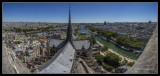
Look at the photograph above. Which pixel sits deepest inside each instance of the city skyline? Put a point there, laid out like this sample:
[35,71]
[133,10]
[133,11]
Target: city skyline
[81,12]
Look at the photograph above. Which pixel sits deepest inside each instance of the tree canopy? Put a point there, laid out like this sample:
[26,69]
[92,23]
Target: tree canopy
[93,39]
[107,67]
[102,32]
[104,48]
[99,58]
[17,42]
[119,39]
[131,63]
[128,42]
[27,30]
[112,60]
[109,61]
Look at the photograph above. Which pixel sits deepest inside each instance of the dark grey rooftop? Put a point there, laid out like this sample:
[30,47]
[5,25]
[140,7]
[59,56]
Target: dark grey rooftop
[125,67]
[78,44]
[74,37]
[55,42]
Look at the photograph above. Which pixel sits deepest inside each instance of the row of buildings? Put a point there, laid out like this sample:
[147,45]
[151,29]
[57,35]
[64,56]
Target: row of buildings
[136,31]
[33,49]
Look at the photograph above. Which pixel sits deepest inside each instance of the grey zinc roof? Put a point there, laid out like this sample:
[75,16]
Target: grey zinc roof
[27,46]
[96,45]
[36,44]
[125,67]
[17,48]
[73,36]
[61,62]
[78,44]
[55,42]
[31,51]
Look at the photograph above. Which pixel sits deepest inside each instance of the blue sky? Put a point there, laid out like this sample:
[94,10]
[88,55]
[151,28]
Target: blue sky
[80,12]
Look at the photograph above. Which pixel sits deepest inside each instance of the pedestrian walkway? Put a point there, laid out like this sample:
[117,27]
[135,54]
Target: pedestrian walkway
[111,50]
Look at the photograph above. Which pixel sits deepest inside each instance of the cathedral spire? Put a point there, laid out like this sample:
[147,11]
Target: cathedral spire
[69,29]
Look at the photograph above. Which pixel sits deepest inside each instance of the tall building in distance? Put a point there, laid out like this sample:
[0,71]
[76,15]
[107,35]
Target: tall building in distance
[149,21]
[104,22]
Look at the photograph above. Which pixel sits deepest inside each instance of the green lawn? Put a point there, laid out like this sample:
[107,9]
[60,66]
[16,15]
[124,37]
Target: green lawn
[118,50]
[82,37]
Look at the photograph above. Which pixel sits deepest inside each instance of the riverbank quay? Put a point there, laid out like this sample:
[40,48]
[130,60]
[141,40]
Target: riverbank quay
[122,52]
[113,51]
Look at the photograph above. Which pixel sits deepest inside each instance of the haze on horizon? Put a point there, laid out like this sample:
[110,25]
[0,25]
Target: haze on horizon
[80,12]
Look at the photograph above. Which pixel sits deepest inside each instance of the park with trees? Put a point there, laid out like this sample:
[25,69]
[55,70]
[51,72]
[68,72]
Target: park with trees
[112,61]
[109,61]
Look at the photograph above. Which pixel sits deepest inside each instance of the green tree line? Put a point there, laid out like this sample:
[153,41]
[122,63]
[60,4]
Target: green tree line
[128,42]
[27,30]
[102,32]
[119,39]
